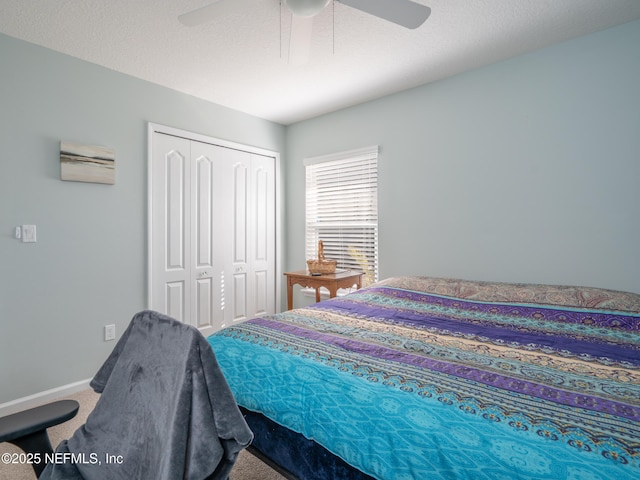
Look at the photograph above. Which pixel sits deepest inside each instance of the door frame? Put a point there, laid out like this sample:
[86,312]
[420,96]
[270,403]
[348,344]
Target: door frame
[154,128]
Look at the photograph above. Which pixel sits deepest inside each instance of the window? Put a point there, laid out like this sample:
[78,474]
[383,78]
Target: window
[342,209]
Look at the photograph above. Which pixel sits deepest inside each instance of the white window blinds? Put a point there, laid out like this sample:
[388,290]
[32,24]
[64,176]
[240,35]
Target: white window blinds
[342,209]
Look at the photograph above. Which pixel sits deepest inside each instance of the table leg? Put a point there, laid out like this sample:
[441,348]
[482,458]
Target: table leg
[289,295]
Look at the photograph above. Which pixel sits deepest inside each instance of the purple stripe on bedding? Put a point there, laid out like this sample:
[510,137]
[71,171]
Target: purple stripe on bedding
[545,392]
[618,320]
[502,333]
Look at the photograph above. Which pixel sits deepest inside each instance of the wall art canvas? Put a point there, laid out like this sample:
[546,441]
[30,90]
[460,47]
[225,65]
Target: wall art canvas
[87,163]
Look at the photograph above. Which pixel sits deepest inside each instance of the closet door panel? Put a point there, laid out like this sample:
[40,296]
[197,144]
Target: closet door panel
[203,212]
[260,293]
[238,164]
[223,238]
[240,181]
[206,298]
[239,297]
[170,226]
[175,300]
[262,243]
[175,211]
[204,303]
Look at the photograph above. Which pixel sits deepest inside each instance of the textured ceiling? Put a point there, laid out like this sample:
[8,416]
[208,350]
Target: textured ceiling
[240,60]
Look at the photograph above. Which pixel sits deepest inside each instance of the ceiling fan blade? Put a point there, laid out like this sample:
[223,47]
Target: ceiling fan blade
[402,12]
[300,39]
[214,10]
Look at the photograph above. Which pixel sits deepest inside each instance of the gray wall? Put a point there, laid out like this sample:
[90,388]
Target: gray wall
[526,170]
[88,267]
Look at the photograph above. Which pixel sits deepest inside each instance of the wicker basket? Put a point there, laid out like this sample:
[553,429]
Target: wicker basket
[321,265]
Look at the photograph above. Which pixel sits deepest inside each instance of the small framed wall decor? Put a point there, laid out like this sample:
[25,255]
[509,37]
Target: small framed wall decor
[87,163]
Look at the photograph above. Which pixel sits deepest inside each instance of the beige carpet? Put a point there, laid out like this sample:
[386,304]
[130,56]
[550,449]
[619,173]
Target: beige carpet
[247,467]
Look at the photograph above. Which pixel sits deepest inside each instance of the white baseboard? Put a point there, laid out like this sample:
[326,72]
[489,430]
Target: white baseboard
[42,397]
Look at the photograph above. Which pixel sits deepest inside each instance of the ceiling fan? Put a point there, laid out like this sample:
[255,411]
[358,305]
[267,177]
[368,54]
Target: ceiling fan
[405,13]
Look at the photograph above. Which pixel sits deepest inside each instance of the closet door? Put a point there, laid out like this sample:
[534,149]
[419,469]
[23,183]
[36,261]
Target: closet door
[206,303]
[212,246]
[235,169]
[262,241]
[248,242]
[171,226]
[183,284]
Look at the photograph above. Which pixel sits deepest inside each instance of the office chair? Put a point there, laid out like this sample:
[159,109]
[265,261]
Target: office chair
[165,411]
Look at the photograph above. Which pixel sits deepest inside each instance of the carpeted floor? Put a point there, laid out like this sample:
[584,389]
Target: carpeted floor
[247,467]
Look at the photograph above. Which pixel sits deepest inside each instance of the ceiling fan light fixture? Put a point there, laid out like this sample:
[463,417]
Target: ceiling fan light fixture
[306,8]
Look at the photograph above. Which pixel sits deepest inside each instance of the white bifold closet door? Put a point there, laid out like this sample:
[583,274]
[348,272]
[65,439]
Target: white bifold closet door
[213,232]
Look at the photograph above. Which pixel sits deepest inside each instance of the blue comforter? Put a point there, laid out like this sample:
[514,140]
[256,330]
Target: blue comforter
[404,383]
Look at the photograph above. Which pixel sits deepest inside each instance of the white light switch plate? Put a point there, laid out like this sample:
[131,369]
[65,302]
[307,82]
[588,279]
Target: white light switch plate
[28,233]
[109,332]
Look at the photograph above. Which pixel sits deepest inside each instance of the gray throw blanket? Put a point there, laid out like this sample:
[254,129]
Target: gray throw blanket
[166,411]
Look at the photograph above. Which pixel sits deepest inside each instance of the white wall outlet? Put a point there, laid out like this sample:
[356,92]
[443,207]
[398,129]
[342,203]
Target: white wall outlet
[28,233]
[109,332]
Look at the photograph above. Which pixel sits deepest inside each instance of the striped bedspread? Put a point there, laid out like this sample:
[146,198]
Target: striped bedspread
[417,378]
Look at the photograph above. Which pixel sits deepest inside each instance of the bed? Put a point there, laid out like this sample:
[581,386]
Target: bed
[418,377]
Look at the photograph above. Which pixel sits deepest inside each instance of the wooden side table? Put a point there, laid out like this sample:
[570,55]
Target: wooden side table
[331,281]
